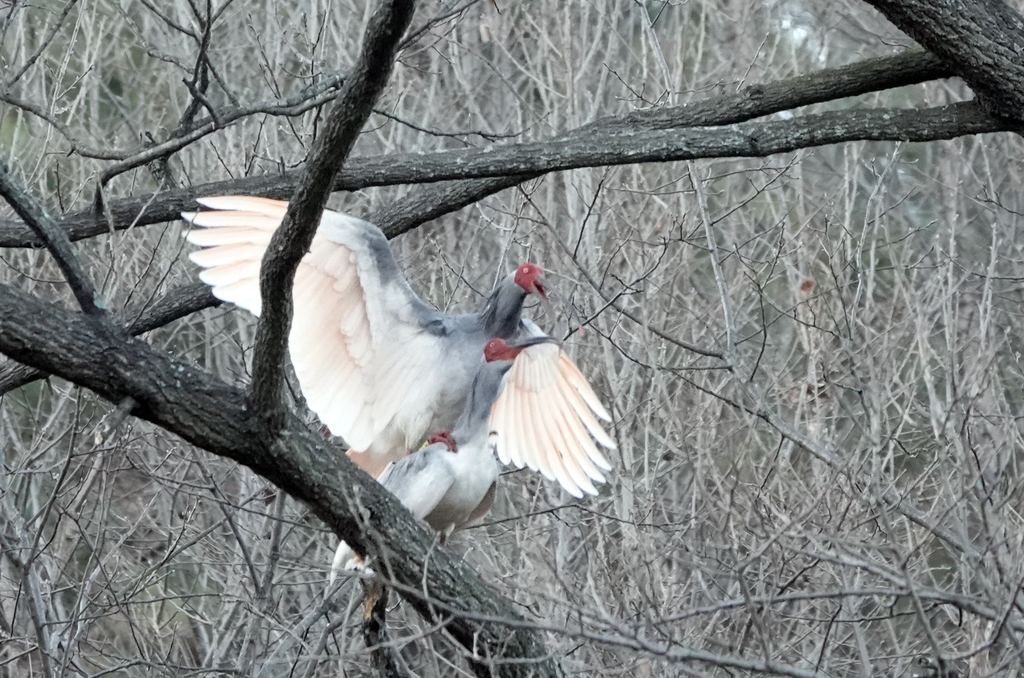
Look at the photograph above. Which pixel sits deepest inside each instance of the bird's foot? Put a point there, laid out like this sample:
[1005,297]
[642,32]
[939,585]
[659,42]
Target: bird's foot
[354,567]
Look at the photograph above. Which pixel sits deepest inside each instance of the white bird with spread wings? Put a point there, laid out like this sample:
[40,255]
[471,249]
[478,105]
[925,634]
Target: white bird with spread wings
[383,369]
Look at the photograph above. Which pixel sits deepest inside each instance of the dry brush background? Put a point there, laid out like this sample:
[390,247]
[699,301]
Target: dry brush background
[834,489]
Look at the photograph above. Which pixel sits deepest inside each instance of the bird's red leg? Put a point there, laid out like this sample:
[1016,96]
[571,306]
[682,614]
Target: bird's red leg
[446,438]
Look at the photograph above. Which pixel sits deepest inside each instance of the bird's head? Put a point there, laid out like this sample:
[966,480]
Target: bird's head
[504,311]
[531,278]
[498,349]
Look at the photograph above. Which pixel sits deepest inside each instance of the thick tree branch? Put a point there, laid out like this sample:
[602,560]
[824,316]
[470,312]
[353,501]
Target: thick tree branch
[754,101]
[56,241]
[216,416]
[177,303]
[750,102]
[751,139]
[513,163]
[291,241]
[982,41]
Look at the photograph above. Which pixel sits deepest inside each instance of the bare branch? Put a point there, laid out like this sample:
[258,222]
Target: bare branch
[17,547]
[177,303]
[291,241]
[728,319]
[751,102]
[978,40]
[513,163]
[375,629]
[56,242]
[744,140]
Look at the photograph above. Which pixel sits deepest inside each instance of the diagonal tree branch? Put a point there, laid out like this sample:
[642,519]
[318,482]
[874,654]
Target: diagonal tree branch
[291,241]
[751,102]
[216,416]
[979,40]
[177,303]
[56,241]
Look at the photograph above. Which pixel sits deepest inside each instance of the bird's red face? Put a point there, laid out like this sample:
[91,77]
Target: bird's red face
[444,437]
[498,349]
[531,278]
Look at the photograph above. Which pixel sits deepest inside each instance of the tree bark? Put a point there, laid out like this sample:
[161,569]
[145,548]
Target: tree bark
[982,41]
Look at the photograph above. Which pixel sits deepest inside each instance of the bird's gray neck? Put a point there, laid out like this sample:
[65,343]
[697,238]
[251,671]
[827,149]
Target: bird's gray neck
[504,310]
[474,423]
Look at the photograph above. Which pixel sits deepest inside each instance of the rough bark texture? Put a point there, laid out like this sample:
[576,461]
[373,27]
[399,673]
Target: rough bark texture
[177,303]
[375,630]
[982,41]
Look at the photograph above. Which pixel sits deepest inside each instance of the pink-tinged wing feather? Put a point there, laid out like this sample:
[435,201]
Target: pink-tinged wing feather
[247,203]
[512,432]
[572,375]
[555,456]
[235,242]
[546,418]
[362,363]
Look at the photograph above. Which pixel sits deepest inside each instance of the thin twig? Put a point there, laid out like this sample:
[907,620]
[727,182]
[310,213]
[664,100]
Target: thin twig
[716,264]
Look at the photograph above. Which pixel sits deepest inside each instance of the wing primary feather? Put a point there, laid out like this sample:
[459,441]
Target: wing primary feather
[228,235]
[556,456]
[567,368]
[252,220]
[577,441]
[585,418]
[575,459]
[512,426]
[547,460]
[531,449]
[512,429]
[245,203]
[586,415]
[577,429]
[228,254]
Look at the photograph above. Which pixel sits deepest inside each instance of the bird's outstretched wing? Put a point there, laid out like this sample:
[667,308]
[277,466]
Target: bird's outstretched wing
[546,418]
[357,343]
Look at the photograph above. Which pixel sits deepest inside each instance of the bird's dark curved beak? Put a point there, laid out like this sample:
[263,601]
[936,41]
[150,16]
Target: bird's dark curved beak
[540,285]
